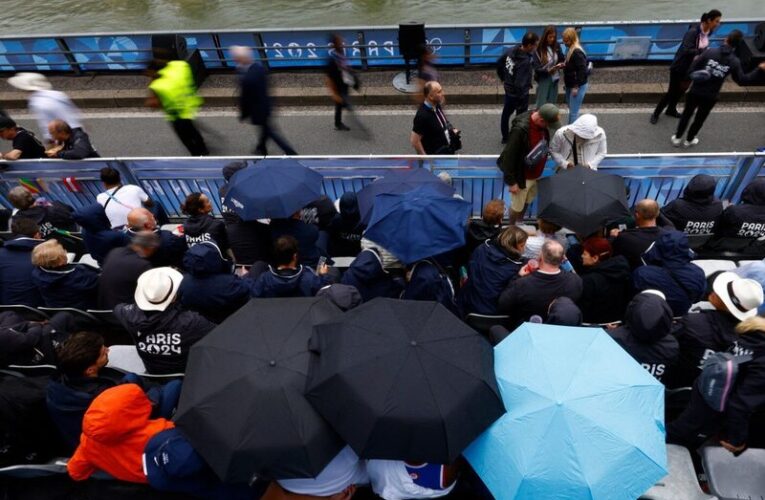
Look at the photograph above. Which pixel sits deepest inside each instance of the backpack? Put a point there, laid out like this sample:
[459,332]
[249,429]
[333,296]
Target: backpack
[718,376]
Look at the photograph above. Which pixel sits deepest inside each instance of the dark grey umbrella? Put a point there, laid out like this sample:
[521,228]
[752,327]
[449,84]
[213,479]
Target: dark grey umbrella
[403,380]
[582,199]
[242,405]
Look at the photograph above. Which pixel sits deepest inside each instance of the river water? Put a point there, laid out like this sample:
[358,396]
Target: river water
[69,16]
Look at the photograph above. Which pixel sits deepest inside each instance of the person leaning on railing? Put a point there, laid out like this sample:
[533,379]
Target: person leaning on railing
[25,145]
[72,143]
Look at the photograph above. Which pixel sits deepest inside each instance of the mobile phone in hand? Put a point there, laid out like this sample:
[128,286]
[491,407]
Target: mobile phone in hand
[322,261]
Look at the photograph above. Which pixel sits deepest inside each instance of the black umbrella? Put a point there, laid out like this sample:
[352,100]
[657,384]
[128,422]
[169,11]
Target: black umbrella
[242,404]
[403,380]
[582,199]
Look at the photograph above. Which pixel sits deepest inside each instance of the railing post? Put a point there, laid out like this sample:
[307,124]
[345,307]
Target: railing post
[363,50]
[221,51]
[69,56]
[468,38]
[261,51]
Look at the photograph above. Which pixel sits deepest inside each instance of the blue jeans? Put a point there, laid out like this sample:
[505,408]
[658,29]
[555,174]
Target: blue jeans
[574,103]
[513,104]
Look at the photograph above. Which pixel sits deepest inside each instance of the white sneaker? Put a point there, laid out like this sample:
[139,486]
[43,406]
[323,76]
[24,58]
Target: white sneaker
[675,141]
[687,144]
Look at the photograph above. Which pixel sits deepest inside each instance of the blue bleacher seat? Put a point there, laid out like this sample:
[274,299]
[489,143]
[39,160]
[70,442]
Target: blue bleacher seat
[733,478]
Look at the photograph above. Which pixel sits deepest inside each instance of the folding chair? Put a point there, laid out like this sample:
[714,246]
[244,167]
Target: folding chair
[26,312]
[731,477]
[483,322]
[125,358]
[711,266]
[71,310]
[681,482]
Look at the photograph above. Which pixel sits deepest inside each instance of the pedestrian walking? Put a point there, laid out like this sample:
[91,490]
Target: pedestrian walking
[548,61]
[575,73]
[340,79]
[531,131]
[432,133]
[255,102]
[695,41]
[45,103]
[515,70]
[709,71]
[174,90]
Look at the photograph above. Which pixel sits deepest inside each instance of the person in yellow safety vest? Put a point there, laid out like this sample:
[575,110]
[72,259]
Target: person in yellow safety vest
[173,89]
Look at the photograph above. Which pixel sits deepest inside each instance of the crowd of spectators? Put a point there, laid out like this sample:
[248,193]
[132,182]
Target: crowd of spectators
[168,289]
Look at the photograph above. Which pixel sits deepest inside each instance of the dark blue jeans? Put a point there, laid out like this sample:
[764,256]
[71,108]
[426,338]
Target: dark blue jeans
[513,104]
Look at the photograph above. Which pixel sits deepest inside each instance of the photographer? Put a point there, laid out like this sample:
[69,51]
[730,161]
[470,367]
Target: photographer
[432,134]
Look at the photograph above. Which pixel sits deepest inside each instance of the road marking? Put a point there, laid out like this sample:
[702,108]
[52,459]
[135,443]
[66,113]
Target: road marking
[383,111]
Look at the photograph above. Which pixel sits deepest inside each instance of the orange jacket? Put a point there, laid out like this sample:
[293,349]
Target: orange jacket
[115,431]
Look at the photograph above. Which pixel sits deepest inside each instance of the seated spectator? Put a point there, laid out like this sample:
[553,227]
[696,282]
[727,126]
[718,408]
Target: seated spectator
[97,233]
[427,280]
[742,225]
[115,432]
[375,272]
[532,293]
[698,210]
[122,268]
[210,286]
[747,219]
[345,229]
[345,297]
[80,379]
[668,268]
[645,334]
[62,284]
[320,212]
[119,199]
[337,481]
[25,146]
[581,143]
[79,361]
[171,464]
[486,228]
[546,231]
[306,234]
[163,330]
[73,144]
[171,247]
[493,265]
[25,342]
[606,283]
[699,421]
[289,279]
[201,225]
[397,480]
[701,334]
[48,215]
[564,312]
[632,243]
[16,267]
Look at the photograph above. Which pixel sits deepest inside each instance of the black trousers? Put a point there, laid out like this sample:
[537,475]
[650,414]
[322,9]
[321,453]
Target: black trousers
[190,137]
[339,107]
[269,132]
[696,424]
[700,105]
[677,87]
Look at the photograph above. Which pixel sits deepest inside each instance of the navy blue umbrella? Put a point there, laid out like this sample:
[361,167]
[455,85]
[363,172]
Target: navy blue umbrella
[398,182]
[272,189]
[418,224]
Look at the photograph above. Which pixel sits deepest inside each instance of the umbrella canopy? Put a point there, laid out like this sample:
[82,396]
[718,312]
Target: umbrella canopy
[584,419]
[582,199]
[272,189]
[403,380]
[242,404]
[418,224]
[398,182]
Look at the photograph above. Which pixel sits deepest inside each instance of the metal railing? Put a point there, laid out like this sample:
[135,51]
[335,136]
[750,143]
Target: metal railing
[475,178]
[368,47]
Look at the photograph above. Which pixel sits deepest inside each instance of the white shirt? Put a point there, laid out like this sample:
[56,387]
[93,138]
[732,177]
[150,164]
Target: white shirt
[127,198]
[49,105]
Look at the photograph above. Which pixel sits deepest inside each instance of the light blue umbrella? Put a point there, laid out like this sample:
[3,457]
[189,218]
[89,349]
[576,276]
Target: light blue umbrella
[584,420]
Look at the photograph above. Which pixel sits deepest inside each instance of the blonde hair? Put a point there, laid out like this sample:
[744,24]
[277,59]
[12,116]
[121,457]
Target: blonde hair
[49,254]
[571,33]
[749,325]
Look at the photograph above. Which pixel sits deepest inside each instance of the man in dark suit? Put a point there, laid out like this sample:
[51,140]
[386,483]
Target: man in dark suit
[254,101]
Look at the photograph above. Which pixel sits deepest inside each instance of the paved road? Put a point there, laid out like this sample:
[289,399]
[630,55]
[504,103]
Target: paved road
[144,133]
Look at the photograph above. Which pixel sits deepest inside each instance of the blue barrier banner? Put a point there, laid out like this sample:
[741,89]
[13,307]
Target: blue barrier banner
[98,53]
[207,50]
[476,179]
[304,49]
[39,54]
[244,39]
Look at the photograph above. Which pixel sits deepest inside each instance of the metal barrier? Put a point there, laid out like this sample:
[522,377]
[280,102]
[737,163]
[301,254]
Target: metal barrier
[375,46]
[475,178]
